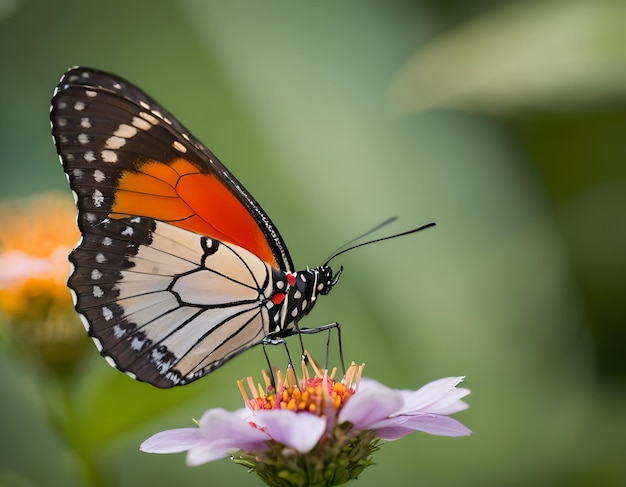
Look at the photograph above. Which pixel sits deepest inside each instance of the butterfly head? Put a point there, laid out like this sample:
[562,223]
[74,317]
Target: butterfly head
[326,278]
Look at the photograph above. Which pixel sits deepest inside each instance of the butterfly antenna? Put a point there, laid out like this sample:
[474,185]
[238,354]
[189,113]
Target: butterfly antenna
[369,232]
[343,250]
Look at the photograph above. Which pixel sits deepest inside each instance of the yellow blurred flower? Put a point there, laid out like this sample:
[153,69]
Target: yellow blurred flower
[36,237]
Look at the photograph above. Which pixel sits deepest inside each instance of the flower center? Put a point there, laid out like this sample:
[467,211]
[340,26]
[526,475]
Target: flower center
[310,394]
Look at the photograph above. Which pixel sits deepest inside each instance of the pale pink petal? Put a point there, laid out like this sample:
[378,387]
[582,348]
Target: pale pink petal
[172,441]
[453,407]
[367,383]
[369,405]
[220,433]
[300,431]
[231,430]
[434,424]
[396,413]
[209,452]
[440,396]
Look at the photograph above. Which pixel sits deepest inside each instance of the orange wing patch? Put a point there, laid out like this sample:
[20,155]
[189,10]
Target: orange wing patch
[179,194]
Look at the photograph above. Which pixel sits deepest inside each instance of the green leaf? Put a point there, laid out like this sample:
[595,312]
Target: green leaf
[523,55]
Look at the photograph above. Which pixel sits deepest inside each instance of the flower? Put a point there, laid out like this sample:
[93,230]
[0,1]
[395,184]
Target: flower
[315,431]
[35,240]
[392,414]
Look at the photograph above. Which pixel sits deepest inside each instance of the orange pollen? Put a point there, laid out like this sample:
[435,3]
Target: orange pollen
[309,394]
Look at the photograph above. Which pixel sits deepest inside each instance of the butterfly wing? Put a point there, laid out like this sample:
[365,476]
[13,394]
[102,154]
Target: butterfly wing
[125,155]
[166,305]
[159,303]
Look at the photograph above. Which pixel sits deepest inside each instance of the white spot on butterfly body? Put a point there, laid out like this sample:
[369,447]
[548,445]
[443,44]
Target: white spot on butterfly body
[97,198]
[144,105]
[85,123]
[109,156]
[117,86]
[101,258]
[78,173]
[137,344]
[179,147]
[61,122]
[89,156]
[297,295]
[91,93]
[79,106]
[107,313]
[128,231]
[97,292]
[83,138]
[114,142]
[107,241]
[99,176]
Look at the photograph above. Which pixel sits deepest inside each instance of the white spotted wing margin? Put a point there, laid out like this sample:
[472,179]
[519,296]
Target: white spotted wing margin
[106,128]
[166,305]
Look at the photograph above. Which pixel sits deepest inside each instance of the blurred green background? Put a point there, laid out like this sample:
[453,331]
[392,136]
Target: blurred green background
[504,122]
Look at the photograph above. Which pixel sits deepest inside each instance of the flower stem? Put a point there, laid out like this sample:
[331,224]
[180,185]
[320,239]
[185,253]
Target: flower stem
[64,418]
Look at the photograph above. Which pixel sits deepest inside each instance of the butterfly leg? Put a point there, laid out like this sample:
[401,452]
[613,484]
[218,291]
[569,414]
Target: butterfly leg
[269,340]
[329,328]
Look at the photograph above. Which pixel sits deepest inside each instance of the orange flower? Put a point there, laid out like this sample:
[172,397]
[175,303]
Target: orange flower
[35,240]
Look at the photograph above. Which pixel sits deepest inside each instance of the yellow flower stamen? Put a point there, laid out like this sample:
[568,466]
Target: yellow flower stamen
[308,395]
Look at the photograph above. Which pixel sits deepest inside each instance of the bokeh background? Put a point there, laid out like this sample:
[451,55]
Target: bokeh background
[504,122]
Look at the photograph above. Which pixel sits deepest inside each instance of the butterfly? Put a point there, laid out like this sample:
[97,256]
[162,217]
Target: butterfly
[179,269]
